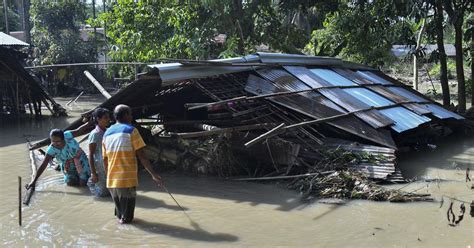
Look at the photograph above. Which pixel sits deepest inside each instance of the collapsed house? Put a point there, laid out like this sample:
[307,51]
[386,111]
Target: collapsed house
[289,111]
[20,90]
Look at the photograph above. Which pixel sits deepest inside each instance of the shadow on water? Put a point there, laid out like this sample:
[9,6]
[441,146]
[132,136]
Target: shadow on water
[452,153]
[240,192]
[142,201]
[197,234]
[333,206]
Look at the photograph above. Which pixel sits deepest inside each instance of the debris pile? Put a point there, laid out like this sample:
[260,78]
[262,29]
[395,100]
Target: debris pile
[316,120]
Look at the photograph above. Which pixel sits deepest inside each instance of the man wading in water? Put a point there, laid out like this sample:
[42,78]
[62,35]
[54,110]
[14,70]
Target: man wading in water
[122,144]
[68,153]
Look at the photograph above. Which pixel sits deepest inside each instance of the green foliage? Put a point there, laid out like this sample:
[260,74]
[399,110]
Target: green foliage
[363,32]
[56,34]
[435,71]
[144,31]
[14,23]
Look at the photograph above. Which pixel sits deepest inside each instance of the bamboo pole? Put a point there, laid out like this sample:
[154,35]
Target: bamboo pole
[19,201]
[17,96]
[97,84]
[270,133]
[219,131]
[283,177]
[274,132]
[31,190]
[75,99]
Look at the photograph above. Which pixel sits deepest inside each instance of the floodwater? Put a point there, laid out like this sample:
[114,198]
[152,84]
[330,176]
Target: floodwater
[228,213]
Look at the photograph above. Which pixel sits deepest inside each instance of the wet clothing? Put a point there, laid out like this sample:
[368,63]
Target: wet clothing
[72,156]
[120,143]
[99,189]
[124,199]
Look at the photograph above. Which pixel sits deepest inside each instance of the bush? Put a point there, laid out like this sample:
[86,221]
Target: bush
[436,70]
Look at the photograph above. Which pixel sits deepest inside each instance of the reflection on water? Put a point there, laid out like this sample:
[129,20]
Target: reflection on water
[230,213]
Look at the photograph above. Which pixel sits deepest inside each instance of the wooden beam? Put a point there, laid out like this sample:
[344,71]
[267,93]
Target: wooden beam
[220,131]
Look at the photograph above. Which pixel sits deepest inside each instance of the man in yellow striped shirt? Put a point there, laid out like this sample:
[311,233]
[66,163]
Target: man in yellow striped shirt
[121,146]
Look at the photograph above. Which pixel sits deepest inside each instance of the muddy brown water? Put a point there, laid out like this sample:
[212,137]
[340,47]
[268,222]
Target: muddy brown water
[230,213]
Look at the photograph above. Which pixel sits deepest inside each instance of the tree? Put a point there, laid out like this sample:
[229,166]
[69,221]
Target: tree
[56,38]
[438,19]
[456,10]
[364,31]
[13,19]
[143,31]
[57,33]
[469,37]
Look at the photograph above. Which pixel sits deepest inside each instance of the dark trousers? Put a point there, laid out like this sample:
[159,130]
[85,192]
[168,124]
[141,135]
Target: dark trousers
[124,199]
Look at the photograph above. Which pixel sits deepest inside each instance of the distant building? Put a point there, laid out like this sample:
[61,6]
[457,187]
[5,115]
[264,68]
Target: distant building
[405,50]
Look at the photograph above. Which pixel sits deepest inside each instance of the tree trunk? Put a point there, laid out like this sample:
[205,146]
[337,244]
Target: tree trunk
[26,20]
[442,53]
[472,68]
[415,55]
[460,66]
[239,11]
[5,9]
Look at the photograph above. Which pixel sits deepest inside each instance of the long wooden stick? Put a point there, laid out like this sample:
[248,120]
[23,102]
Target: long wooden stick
[270,133]
[220,130]
[19,201]
[283,177]
[97,84]
[31,190]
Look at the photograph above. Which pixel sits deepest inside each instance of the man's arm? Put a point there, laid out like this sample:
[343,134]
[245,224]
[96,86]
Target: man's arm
[146,163]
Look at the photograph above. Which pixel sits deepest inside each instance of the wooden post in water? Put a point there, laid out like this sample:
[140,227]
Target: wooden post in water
[19,201]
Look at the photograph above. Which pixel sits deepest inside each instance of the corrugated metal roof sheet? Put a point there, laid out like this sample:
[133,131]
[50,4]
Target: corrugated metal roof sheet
[173,72]
[383,90]
[332,77]
[351,103]
[323,100]
[369,97]
[283,79]
[7,40]
[373,77]
[296,59]
[353,76]
[404,118]
[417,108]
[406,94]
[374,118]
[305,75]
[442,113]
[343,99]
